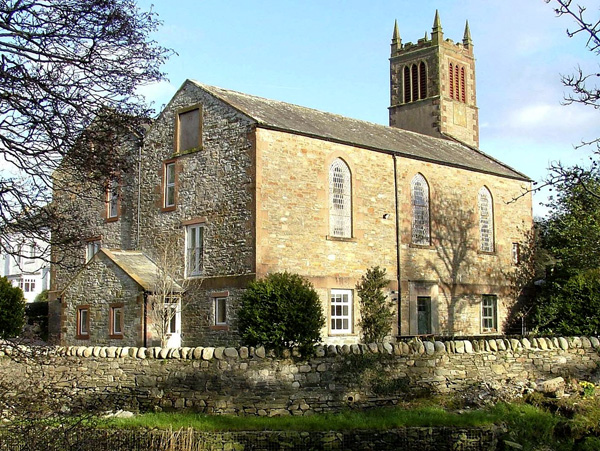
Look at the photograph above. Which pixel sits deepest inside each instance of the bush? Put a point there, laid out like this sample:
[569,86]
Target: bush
[571,306]
[42,296]
[375,309]
[281,311]
[12,309]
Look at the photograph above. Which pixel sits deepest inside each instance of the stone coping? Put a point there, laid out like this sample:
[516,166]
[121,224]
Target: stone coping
[412,347]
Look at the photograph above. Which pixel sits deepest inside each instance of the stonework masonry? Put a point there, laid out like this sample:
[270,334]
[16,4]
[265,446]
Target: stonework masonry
[248,381]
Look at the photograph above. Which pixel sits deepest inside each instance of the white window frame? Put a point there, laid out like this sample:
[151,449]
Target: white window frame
[218,302]
[173,303]
[112,200]
[117,324]
[337,313]
[516,253]
[91,249]
[83,321]
[27,285]
[194,250]
[340,199]
[169,184]
[489,313]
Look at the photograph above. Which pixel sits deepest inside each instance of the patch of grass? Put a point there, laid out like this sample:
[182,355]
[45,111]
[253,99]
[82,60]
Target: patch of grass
[372,419]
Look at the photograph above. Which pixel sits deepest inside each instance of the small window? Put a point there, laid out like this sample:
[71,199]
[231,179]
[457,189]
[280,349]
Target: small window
[194,250]
[189,128]
[169,185]
[423,315]
[422,81]
[489,313]
[83,322]
[172,314]
[516,254]
[220,311]
[451,80]
[116,321]
[340,200]
[91,248]
[341,312]
[27,285]
[112,200]
[414,75]
[486,220]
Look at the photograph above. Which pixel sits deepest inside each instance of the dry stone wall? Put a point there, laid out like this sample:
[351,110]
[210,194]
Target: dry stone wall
[249,381]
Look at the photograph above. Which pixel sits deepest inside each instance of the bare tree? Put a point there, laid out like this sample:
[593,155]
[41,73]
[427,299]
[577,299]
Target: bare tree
[584,90]
[167,301]
[69,77]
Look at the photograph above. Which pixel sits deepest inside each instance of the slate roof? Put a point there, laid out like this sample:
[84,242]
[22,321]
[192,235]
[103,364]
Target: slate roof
[307,121]
[139,267]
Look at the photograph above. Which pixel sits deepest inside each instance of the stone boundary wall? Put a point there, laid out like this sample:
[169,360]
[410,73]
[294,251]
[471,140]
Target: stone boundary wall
[249,381]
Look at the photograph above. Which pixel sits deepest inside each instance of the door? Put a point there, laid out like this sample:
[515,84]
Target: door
[423,315]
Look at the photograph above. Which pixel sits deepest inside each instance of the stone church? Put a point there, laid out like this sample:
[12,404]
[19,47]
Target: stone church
[233,187]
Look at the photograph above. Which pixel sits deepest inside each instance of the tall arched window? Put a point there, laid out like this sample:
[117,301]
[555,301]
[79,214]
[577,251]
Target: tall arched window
[415,81]
[406,84]
[451,80]
[340,199]
[419,194]
[462,85]
[422,80]
[486,220]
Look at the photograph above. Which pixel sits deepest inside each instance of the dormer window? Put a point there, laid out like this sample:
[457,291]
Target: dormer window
[188,130]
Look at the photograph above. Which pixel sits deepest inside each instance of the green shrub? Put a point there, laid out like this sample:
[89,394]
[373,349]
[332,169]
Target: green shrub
[571,306]
[12,309]
[375,309]
[42,296]
[281,311]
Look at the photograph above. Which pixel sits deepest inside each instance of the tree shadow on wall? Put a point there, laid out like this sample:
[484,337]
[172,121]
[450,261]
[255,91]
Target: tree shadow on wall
[458,265]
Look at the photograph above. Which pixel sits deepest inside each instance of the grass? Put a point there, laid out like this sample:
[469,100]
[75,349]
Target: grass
[381,419]
[564,425]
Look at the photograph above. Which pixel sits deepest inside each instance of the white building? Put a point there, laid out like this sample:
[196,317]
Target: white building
[26,266]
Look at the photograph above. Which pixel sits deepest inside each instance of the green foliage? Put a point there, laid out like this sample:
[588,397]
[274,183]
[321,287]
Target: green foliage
[42,296]
[375,309]
[12,309]
[570,307]
[281,311]
[571,233]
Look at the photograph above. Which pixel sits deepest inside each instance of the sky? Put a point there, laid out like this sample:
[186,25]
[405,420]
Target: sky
[333,55]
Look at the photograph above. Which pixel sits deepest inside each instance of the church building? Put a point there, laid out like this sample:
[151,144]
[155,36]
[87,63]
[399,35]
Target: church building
[231,187]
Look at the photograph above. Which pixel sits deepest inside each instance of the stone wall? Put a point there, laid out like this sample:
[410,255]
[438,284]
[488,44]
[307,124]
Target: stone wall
[248,381]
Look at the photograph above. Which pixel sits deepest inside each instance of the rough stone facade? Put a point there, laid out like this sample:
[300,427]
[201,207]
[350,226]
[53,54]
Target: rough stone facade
[247,381]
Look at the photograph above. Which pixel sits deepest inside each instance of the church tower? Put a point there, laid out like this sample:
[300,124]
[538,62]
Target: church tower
[433,86]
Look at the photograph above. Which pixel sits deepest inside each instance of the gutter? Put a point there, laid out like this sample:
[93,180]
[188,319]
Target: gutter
[398,272]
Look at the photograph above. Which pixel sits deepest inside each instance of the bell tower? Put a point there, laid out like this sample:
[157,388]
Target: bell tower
[433,86]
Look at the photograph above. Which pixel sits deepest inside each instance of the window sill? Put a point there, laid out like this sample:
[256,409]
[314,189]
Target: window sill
[421,246]
[113,219]
[82,337]
[342,334]
[220,327]
[167,209]
[116,336]
[486,252]
[340,238]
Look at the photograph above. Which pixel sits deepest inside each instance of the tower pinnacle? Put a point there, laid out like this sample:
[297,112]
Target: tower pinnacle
[396,41]
[467,41]
[437,35]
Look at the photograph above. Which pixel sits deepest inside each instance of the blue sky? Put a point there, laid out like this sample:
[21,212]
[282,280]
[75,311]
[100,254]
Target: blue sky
[332,55]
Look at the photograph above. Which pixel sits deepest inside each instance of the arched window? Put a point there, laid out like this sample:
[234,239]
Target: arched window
[456,83]
[451,80]
[486,220]
[419,194]
[406,84]
[422,80]
[414,70]
[340,200]
[462,85]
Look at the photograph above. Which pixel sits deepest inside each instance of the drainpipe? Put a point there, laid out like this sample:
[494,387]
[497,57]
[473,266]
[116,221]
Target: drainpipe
[145,319]
[397,205]
[139,198]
